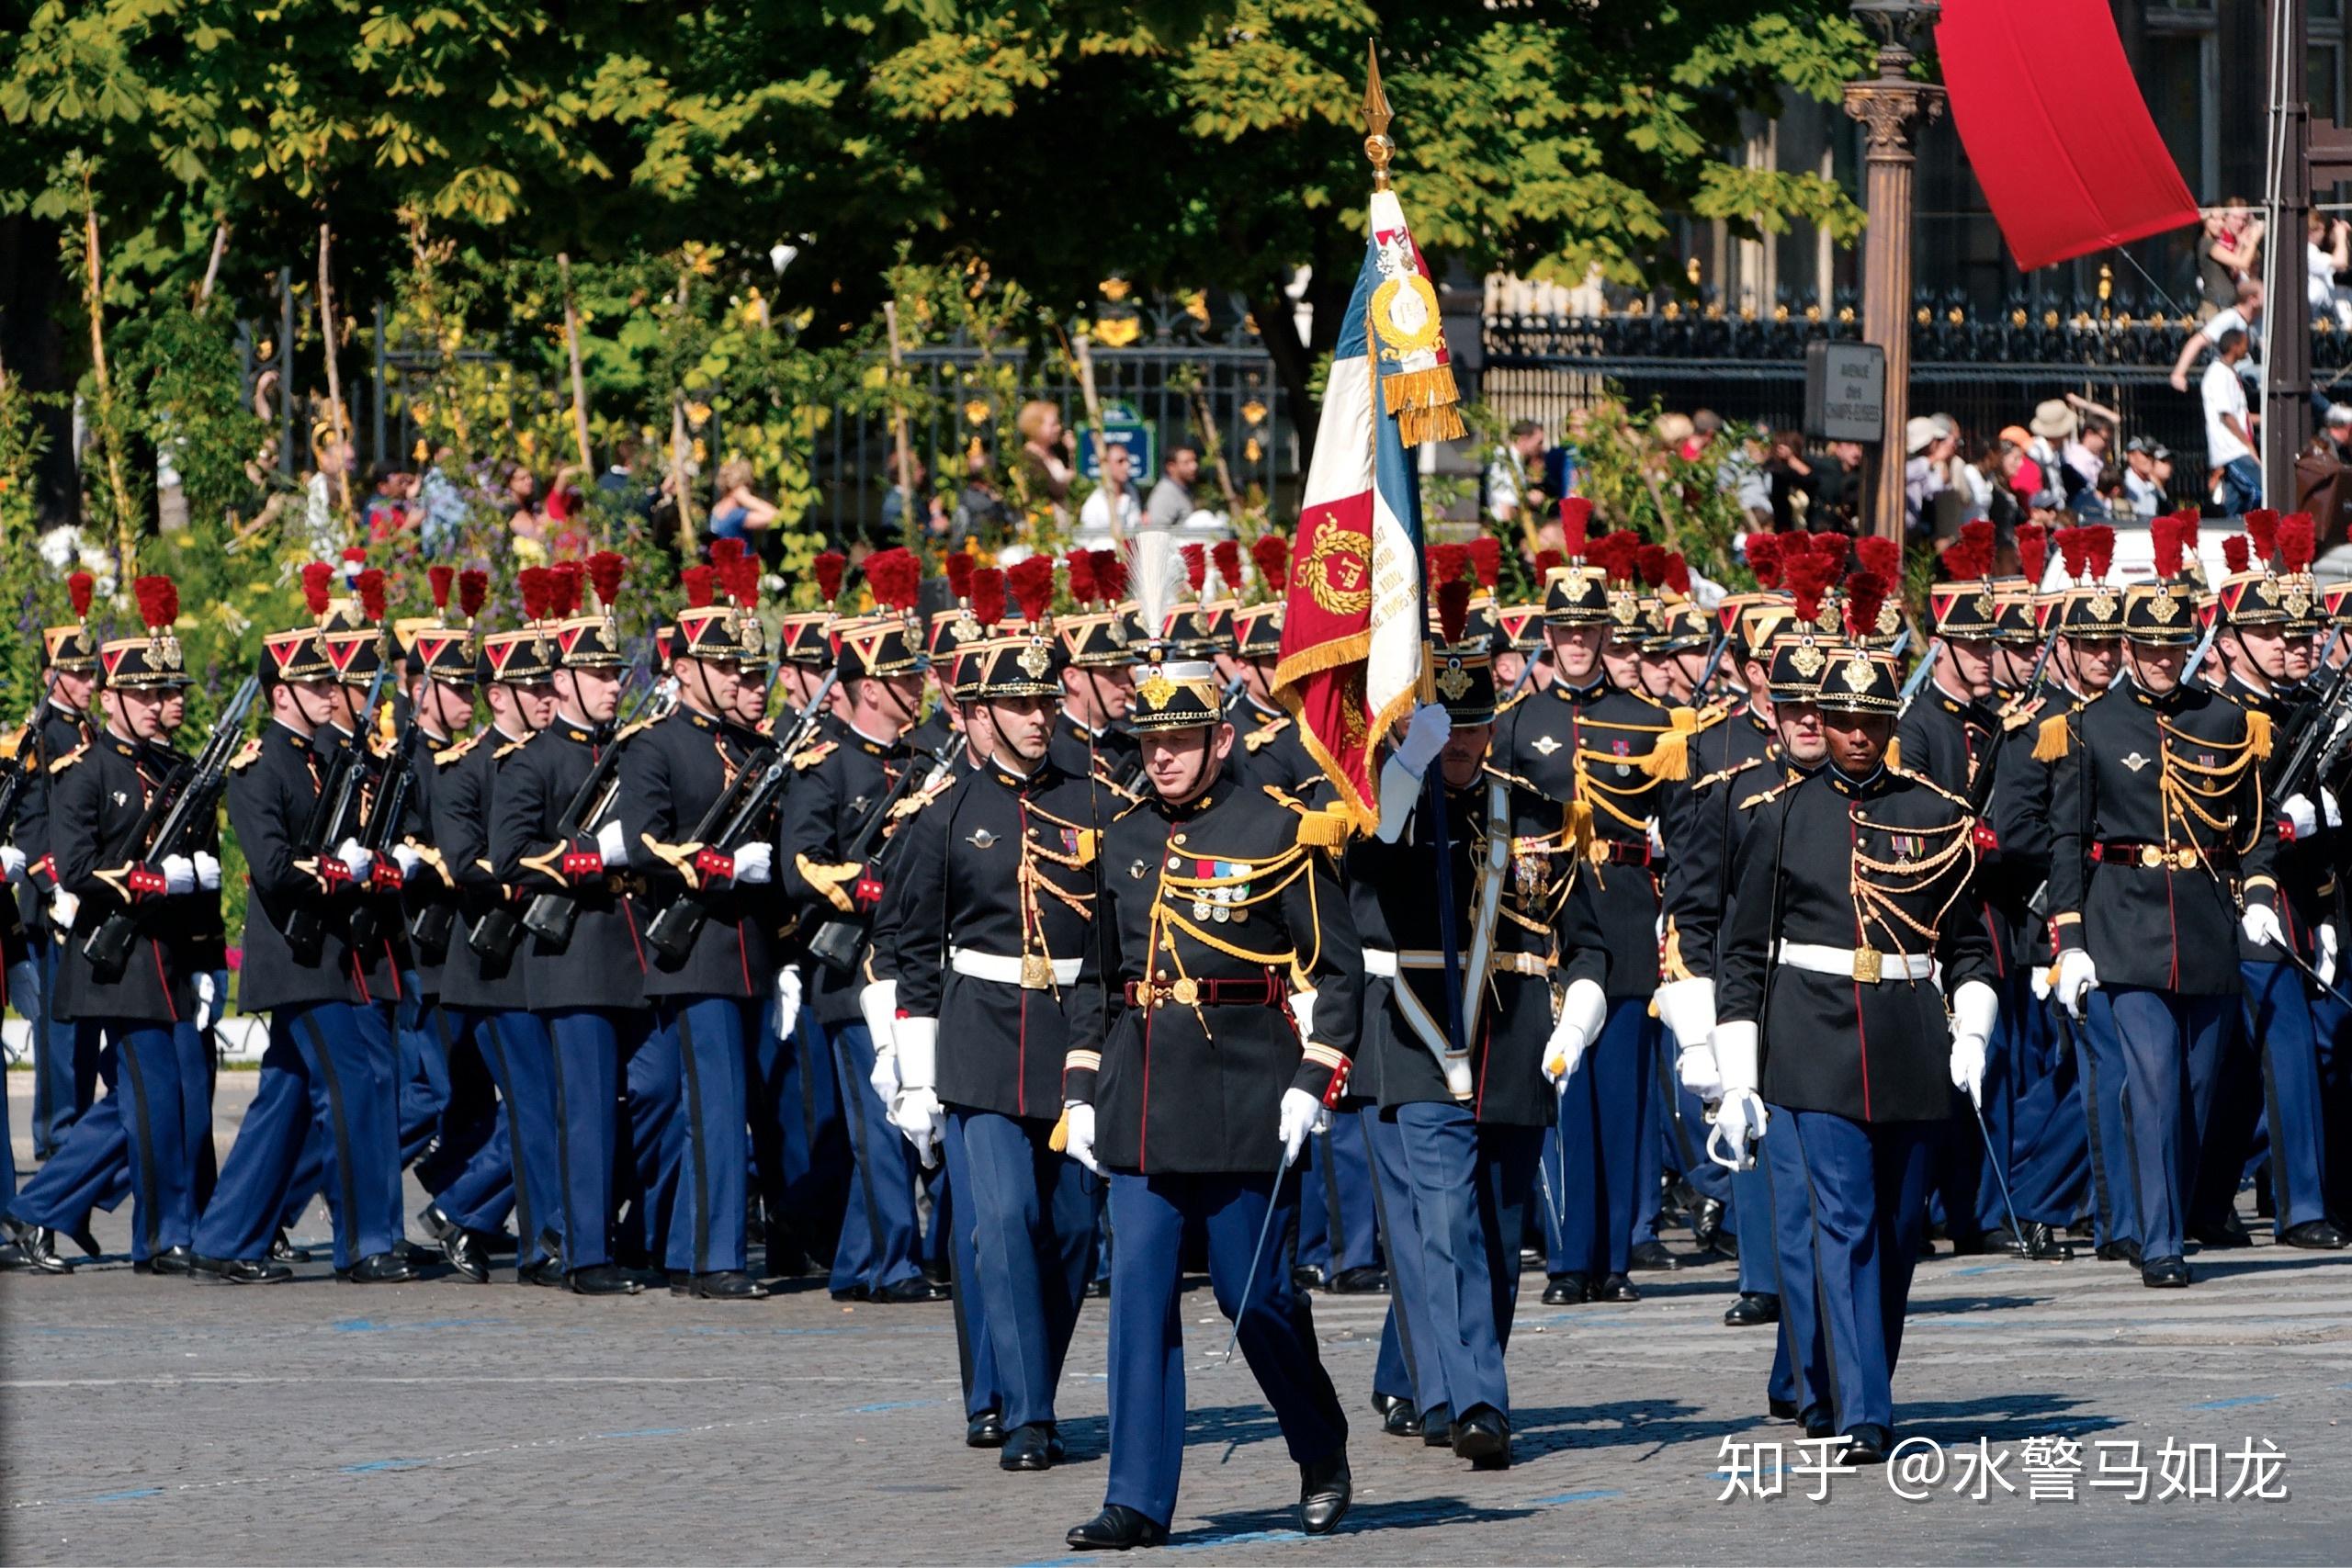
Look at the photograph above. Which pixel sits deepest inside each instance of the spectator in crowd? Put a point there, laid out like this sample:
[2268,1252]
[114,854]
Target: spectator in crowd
[2027,478]
[1794,487]
[2327,251]
[981,509]
[2245,316]
[1930,444]
[524,521]
[1838,497]
[891,528]
[2337,428]
[2107,501]
[1171,498]
[444,506]
[623,484]
[1510,481]
[739,512]
[2147,468]
[389,511]
[322,498]
[2229,429]
[1991,484]
[1042,470]
[1744,474]
[567,516]
[1117,488]
[1705,426]
[2231,254]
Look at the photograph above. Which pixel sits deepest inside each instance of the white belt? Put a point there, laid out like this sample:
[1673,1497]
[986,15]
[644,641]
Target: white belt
[1008,969]
[1380,962]
[1864,964]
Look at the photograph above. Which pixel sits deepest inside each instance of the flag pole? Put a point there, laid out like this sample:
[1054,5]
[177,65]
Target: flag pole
[1379,149]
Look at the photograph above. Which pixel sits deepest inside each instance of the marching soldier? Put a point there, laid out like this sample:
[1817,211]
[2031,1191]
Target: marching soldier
[146,1006]
[330,1061]
[996,891]
[1850,891]
[833,827]
[1468,1098]
[1098,683]
[706,1001]
[1201,1096]
[64,1058]
[2161,857]
[587,986]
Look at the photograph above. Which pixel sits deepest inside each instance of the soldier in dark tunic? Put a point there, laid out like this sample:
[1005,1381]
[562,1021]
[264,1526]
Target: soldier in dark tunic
[65,1056]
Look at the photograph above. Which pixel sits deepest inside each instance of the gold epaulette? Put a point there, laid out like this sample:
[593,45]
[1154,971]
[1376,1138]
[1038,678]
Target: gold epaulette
[1923,779]
[809,757]
[1669,757]
[247,755]
[510,748]
[1266,732]
[1761,797]
[67,761]
[1323,829]
[448,754]
[2257,731]
[642,724]
[1730,773]
[1509,778]
[2020,716]
[2050,742]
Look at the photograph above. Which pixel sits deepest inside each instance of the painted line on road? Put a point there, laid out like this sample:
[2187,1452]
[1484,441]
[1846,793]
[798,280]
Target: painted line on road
[2234,1403]
[1593,1497]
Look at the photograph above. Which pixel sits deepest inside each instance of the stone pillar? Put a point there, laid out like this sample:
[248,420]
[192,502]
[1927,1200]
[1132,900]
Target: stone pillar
[1890,107]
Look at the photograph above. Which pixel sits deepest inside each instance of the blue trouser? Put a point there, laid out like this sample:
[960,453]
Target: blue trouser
[705,1149]
[1031,1220]
[2168,1044]
[156,1109]
[1750,1220]
[1781,1236]
[521,1060]
[592,1047]
[1407,1367]
[424,1070]
[975,1352]
[2114,1209]
[1682,1132]
[62,1085]
[332,1064]
[813,1151]
[2051,1181]
[1507,1161]
[1336,1228]
[880,1245]
[1150,1215]
[469,1114]
[1439,1145]
[2278,1022]
[1600,1140]
[1866,1186]
[2331,1025]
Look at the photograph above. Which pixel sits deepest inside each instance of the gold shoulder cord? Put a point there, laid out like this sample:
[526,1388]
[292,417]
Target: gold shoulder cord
[1292,864]
[1875,902]
[2188,786]
[1032,882]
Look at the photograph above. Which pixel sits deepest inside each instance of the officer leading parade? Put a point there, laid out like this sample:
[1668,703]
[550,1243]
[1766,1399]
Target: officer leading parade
[1301,960]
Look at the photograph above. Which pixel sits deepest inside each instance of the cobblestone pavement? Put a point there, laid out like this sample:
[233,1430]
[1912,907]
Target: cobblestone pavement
[151,1421]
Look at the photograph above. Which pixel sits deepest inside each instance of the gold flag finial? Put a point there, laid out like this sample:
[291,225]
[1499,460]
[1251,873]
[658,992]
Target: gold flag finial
[1377,146]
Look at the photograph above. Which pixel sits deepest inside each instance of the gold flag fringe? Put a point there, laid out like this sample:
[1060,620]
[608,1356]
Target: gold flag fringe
[1423,402]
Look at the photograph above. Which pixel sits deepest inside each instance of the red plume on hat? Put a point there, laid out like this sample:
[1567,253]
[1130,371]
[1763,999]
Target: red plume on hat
[570,587]
[1196,567]
[353,558]
[1454,608]
[1879,555]
[1808,577]
[1764,558]
[2164,539]
[369,586]
[959,566]
[1977,539]
[316,577]
[2033,551]
[1831,546]
[1865,592]
[697,582]
[1650,561]
[2186,517]
[2296,542]
[1082,586]
[988,595]
[828,566]
[79,587]
[537,586]
[159,602]
[895,577]
[1678,575]
[2262,529]
[1446,561]
[2074,551]
[1227,553]
[605,570]
[1110,575]
[438,581]
[1547,562]
[1032,582]
[1487,561]
[1615,552]
[2236,555]
[1271,553]
[473,592]
[2099,548]
[1576,523]
[741,580]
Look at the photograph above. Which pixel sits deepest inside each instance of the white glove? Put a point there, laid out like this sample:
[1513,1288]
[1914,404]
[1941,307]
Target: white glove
[917,1114]
[2325,967]
[1687,1008]
[1975,1007]
[755,863]
[407,859]
[206,1001]
[63,908]
[2260,924]
[918,1043]
[208,871]
[1658,839]
[356,861]
[1740,1119]
[878,1004]
[612,845]
[2329,810]
[788,999]
[2297,810]
[1302,1012]
[2077,976]
[11,863]
[1078,1135]
[1301,1115]
[1967,1066]
[1695,1064]
[1581,1012]
[179,874]
[2040,980]
[1425,737]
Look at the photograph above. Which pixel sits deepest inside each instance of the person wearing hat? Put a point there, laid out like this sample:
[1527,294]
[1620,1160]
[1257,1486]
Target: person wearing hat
[1214,896]
[1462,1110]
[1581,752]
[1851,925]
[996,893]
[2161,858]
[1097,676]
[482,992]
[330,1061]
[2266,595]
[1948,732]
[586,989]
[153,1064]
[831,831]
[1929,443]
[706,1003]
[64,1059]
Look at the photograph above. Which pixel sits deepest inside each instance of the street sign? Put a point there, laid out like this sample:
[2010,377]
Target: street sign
[1845,391]
[1121,427]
